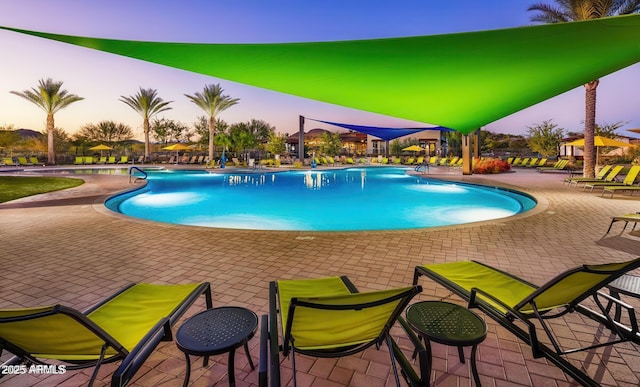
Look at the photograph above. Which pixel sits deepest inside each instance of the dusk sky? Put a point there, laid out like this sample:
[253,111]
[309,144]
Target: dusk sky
[101,78]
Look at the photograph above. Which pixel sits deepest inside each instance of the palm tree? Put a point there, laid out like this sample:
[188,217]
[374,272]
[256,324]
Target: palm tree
[212,101]
[148,104]
[575,10]
[50,98]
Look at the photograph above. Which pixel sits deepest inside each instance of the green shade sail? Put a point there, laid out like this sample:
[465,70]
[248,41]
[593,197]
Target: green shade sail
[461,81]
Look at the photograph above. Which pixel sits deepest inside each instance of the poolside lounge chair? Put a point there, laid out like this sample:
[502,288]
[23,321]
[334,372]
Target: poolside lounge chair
[23,162]
[626,218]
[607,173]
[599,176]
[8,161]
[79,160]
[541,163]
[524,308]
[559,166]
[629,181]
[327,317]
[102,160]
[126,326]
[34,160]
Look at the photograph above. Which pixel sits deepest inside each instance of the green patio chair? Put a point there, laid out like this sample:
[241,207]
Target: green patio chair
[34,160]
[79,160]
[23,162]
[328,317]
[125,327]
[125,159]
[626,218]
[609,175]
[628,181]
[560,165]
[516,303]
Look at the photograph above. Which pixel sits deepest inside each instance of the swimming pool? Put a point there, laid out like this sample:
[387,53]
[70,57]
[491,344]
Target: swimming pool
[375,198]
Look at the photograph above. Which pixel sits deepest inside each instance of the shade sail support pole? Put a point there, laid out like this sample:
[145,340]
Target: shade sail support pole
[301,140]
[466,154]
[476,143]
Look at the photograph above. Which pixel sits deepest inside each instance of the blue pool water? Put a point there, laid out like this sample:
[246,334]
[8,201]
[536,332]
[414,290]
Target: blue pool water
[323,200]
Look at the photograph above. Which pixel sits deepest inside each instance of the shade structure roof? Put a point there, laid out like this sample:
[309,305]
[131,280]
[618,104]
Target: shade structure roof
[384,133]
[461,81]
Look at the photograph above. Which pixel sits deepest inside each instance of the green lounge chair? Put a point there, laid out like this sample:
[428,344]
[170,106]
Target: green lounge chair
[102,160]
[540,163]
[127,326]
[629,181]
[510,160]
[125,159]
[327,317]
[516,161]
[602,173]
[23,162]
[89,160]
[560,165]
[79,160]
[609,176]
[8,161]
[410,161]
[34,160]
[626,218]
[516,303]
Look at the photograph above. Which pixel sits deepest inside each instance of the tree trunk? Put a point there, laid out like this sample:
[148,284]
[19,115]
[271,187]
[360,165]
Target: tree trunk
[590,129]
[51,154]
[147,152]
[212,132]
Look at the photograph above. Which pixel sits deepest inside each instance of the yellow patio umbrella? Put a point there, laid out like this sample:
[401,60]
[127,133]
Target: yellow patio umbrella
[600,141]
[100,147]
[413,148]
[176,147]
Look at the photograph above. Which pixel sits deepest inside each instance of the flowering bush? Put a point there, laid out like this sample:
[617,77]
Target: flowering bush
[488,165]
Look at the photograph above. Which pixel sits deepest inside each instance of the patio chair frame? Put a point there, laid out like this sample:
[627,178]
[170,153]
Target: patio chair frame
[270,375]
[529,333]
[131,360]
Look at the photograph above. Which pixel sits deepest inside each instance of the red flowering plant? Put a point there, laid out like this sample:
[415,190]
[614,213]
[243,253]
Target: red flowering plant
[490,165]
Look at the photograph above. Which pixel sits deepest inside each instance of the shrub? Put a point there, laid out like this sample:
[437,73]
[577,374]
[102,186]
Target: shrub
[490,165]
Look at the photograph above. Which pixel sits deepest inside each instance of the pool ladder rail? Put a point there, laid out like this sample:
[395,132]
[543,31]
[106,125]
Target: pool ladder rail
[132,174]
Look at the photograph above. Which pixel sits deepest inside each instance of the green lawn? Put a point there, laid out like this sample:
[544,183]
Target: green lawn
[15,187]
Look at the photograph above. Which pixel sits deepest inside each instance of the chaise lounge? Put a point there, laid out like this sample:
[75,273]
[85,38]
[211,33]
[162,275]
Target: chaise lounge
[524,308]
[126,327]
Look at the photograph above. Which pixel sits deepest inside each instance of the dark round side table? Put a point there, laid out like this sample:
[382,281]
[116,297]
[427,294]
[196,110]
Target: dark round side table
[217,331]
[448,324]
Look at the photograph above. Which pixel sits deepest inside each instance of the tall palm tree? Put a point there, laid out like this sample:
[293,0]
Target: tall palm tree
[212,101]
[49,97]
[575,10]
[148,104]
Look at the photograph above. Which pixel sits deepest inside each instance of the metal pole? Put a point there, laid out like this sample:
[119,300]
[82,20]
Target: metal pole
[301,140]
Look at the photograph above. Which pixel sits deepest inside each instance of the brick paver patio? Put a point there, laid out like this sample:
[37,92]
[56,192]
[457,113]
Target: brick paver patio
[65,247]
